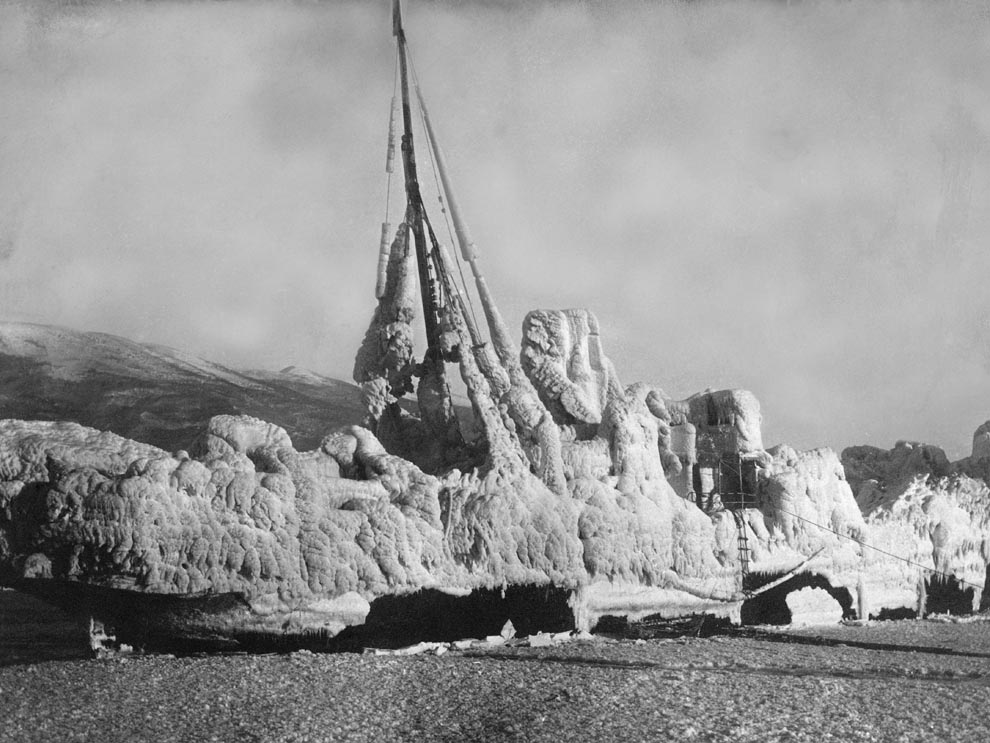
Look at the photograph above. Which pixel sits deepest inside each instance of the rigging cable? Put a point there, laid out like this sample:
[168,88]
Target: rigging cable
[883,551]
[443,207]
[390,157]
[452,295]
[426,135]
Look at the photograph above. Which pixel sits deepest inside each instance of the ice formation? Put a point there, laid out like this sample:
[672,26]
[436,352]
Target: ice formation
[932,512]
[575,481]
[292,531]
[813,606]
[634,502]
[310,539]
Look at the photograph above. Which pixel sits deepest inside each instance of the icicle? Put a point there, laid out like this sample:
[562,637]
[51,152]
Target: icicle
[862,602]
[390,157]
[383,251]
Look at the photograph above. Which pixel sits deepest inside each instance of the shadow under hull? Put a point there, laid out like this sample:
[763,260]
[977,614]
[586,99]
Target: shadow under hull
[225,622]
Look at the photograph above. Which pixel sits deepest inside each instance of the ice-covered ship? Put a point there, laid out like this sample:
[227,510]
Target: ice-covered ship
[559,497]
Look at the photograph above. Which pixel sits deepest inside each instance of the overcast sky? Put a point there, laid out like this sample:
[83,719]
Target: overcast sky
[791,199]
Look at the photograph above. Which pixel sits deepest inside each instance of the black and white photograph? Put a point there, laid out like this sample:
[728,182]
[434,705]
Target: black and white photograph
[494,370]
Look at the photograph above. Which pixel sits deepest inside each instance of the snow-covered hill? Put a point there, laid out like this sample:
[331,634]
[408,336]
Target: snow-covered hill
[156,394]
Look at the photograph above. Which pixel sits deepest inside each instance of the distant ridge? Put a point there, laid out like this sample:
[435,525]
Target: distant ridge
[154,393]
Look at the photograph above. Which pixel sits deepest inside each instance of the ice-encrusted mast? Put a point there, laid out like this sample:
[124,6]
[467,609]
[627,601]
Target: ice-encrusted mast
[513,420]
[385,365]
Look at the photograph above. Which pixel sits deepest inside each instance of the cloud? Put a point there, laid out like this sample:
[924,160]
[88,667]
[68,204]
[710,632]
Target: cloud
[785,198]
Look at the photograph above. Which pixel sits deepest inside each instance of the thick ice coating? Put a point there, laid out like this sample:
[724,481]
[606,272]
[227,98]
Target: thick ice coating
[634,517]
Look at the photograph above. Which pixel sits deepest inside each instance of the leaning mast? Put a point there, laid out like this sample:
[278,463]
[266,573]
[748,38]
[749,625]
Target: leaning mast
[415,210]
[385,363]
[436,405]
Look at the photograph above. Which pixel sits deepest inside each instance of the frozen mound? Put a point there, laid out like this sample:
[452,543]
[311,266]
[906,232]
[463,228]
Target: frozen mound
[933,514]
[805,506]
[981,445]
[633,526]
[977,465]
[308,539]
[563,357]
[870,468]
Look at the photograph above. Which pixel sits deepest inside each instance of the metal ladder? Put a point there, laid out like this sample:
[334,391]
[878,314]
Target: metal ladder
[742,542]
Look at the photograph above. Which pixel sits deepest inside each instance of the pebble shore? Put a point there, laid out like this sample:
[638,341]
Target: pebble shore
[893,681]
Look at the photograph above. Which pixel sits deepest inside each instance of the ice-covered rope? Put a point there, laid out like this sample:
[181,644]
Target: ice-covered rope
[443,207]
[391,145]
[883,551]
[444,281]
[384,242]
[426,135]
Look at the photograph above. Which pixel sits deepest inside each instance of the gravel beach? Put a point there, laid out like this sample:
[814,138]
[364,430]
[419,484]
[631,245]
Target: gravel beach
[897,681]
